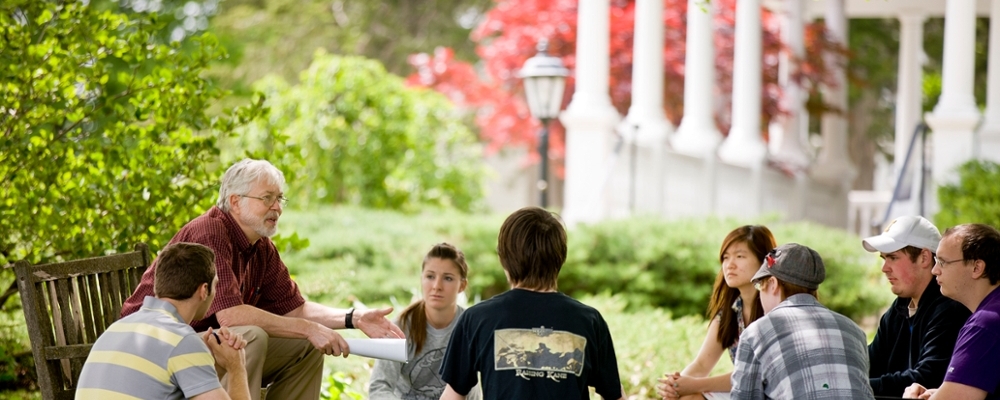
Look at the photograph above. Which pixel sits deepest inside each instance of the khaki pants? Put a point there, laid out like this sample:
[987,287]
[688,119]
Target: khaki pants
[289,368]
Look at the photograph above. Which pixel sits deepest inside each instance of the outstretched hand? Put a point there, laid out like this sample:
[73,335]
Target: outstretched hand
[375,324]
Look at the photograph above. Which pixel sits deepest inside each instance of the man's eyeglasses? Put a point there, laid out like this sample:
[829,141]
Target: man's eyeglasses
[943,262]
[269,199]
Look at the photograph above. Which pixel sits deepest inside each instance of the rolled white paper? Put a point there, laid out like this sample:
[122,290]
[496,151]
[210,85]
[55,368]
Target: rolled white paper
[385,349]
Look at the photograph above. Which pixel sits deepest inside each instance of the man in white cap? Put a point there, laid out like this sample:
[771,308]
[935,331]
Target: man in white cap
[799,349]
[916,335]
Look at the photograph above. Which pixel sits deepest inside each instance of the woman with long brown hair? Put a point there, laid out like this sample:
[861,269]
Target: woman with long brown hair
[428,324]
[733,306]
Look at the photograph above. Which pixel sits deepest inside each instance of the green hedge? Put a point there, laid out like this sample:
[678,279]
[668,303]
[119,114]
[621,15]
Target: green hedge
[975,198]
[673,264]
[375,256]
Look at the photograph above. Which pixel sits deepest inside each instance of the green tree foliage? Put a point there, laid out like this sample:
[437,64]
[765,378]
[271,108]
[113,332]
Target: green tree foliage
[99,131]
[351,133]
[975,198]
[100,140]
[280,36]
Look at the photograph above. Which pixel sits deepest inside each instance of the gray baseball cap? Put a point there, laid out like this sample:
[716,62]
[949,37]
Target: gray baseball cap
[795,264]
[905,231]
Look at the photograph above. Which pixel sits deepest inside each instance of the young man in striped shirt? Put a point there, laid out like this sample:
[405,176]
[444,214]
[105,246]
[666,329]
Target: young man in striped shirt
[155,354]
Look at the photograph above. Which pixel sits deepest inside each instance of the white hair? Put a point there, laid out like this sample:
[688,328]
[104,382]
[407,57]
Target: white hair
[241,177]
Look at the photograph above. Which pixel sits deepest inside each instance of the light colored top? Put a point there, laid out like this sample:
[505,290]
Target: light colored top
[420,378]
[802,350]
[151,354]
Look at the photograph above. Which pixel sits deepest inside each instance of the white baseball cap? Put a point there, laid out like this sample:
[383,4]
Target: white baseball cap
[913,231]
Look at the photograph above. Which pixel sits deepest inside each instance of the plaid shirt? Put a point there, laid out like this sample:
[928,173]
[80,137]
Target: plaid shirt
[250,274]
[802,350]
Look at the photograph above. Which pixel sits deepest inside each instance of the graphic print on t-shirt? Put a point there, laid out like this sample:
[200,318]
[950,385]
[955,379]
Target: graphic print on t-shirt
[539,352]
[425,383]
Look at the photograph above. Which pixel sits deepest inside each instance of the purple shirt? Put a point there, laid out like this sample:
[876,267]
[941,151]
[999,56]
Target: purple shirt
[974,362]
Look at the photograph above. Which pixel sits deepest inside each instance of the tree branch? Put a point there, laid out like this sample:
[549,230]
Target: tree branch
[7,294]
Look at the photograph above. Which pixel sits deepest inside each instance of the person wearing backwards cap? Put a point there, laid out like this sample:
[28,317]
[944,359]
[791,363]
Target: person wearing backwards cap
[916,335]
[799,349]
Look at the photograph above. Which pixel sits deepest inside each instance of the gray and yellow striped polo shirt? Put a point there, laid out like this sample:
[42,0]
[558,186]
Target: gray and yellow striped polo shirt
[151,354]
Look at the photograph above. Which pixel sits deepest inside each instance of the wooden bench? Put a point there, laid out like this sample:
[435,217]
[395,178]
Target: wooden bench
[68,305]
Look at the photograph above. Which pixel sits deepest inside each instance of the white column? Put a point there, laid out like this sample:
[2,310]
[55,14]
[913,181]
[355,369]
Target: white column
[744,145]
[646,112]
[590,118]
[989,134]
[833,164]
[956,114]
[787,132]
[697,133]
[909,87]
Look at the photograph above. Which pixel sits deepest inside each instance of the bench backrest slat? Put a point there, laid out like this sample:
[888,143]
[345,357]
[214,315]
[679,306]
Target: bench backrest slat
[68,305]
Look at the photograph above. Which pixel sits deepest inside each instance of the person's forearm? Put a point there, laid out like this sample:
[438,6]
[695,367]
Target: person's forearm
[720,383]
[274,325]
[329,317]
[697,370]
[239,388]
[451,394]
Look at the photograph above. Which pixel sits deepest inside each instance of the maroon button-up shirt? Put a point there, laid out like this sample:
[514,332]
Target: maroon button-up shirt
[250,274]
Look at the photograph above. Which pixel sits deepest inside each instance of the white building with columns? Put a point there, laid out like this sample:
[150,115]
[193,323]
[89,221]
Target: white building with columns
[694,170]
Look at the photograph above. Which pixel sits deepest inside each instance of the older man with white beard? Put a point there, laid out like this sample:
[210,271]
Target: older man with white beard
[286,335]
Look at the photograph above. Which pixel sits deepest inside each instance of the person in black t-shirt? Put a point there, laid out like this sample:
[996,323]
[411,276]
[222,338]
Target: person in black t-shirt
[531,342]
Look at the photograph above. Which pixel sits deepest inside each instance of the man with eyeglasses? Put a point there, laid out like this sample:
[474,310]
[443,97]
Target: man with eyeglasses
[916,335]
[799,349]
[286,335]
[968,269]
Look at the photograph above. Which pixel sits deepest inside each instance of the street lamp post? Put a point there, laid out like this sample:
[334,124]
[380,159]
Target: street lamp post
[544,82]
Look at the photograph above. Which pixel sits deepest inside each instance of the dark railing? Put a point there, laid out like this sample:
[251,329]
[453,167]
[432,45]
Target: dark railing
[920,130]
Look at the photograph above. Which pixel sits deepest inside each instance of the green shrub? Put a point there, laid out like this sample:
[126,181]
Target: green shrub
[673,264]
[975,198]
[17,367]
[647,261]
[351,133]
[337,386]
[375,256]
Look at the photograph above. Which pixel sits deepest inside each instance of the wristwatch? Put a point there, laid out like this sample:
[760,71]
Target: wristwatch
[349,319]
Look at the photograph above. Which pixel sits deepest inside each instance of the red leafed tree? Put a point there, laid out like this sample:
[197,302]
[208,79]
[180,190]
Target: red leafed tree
[507,36]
